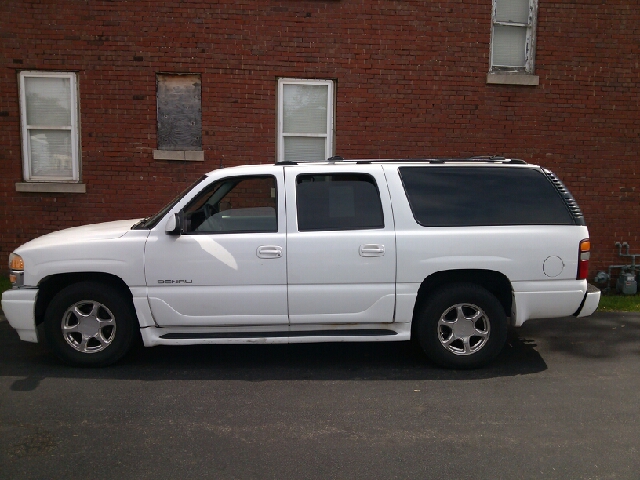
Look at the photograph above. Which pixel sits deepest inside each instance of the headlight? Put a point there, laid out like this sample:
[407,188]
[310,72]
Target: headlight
[16,270]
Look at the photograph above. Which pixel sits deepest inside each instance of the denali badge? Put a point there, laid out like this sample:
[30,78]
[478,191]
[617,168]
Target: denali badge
[175,281]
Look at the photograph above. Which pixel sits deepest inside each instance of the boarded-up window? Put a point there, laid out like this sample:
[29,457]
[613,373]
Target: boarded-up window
[179,112]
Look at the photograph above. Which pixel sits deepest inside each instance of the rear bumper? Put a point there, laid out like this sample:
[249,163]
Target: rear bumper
[552,299]
[589,303]
[18,305]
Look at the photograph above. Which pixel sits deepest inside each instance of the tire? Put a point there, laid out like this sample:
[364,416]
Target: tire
[461,325]
[90,324]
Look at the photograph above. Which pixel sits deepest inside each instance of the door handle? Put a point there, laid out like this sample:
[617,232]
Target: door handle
[269,251]
[371,250]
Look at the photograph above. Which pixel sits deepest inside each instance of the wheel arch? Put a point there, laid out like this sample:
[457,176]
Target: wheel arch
[51,285]
[495,282]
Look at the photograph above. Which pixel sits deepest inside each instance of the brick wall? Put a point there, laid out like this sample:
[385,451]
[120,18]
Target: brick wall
[411,82]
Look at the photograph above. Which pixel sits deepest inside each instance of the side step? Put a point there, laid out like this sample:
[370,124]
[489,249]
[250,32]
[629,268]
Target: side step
[304,333]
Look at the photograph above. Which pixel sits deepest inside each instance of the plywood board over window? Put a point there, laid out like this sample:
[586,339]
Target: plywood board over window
[179,98]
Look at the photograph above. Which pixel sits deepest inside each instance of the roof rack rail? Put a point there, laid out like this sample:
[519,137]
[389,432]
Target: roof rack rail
[495,158]
[335,158]
[486,157]
[490,159]
[478,158]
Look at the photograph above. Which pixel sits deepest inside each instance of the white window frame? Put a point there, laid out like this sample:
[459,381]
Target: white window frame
[329,136]
[25,128]
[530,42]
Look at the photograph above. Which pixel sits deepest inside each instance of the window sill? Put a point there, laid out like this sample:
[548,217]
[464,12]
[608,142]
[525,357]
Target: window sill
[51,187]
[179,155]
[513,79]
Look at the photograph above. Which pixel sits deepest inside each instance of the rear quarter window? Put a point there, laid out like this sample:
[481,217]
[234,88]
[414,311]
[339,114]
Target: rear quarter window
[479,196]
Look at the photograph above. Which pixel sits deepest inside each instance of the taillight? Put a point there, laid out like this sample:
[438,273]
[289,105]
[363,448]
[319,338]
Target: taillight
[584,253]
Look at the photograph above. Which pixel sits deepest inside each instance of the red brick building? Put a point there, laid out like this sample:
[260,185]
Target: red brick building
[109,108]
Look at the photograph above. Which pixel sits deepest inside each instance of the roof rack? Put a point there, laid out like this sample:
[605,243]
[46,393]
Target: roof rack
[478,158]
[489,159]
[335,158]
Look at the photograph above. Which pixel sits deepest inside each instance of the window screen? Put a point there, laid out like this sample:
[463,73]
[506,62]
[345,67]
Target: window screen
[513,37]
[338,202]
[477,196]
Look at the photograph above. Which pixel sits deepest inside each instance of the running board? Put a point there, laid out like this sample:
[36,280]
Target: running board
[304,333]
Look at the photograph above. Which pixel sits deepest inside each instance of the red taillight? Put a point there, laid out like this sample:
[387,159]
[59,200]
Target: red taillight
[584,253]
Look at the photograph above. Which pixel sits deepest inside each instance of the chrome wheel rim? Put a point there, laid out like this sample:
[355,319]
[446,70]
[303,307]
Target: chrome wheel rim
[463,329]
[88,326]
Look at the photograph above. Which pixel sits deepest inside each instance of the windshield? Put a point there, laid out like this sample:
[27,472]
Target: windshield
[150,222]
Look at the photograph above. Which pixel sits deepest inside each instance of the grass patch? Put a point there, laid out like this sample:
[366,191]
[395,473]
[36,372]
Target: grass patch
[5,284]
[619,303]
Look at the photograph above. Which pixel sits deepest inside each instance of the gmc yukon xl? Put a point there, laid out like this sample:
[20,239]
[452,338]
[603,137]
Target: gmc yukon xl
[446,253]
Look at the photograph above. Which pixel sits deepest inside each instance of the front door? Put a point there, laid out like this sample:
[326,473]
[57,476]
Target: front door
[340,246]
[228,267]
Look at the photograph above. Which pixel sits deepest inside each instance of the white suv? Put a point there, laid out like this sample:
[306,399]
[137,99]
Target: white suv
[446,253]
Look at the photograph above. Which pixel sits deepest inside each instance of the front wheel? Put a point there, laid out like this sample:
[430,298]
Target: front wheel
[90,324]
[461,325]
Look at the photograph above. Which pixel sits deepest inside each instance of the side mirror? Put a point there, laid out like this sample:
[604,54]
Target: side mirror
[174,225]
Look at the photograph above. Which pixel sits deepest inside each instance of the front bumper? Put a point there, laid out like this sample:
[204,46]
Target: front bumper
[18,305]
[590,302]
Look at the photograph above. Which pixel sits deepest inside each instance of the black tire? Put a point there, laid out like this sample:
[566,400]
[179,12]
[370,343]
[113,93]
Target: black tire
[89,324]
[461,325]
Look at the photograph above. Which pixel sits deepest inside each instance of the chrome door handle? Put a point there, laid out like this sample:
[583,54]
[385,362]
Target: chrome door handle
[269,251]
[371,250]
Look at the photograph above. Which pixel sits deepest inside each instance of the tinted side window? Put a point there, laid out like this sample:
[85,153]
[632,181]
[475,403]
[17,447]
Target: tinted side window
[338,202]
[476,196]
[234,205]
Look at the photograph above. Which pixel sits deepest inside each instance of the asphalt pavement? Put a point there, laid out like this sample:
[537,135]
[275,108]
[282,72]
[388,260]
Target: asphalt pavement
[561,401]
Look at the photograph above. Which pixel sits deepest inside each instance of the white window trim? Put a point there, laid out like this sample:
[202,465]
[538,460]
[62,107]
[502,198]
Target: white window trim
[530,42]
[26,148]
[330,115]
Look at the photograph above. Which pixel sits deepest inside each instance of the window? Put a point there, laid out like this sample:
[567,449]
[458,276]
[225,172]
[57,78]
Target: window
[49,123]
[179,98]
[234,205]
[482,196]
[338,202]
[305,120]
[513,36]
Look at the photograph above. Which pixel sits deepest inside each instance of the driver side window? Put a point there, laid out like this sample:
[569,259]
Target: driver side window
[234,205]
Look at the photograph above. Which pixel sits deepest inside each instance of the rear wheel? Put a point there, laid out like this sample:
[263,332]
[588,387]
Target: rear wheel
[90,324]
[461,325]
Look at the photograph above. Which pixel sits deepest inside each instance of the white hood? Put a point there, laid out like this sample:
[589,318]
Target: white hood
[97,231]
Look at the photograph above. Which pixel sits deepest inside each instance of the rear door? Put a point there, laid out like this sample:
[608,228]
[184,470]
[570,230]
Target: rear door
[341,255]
